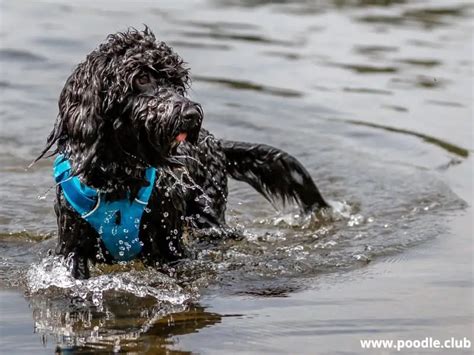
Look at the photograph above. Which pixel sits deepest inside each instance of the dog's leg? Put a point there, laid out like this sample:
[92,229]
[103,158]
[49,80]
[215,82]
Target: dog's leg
[76,239]
[272,172]
[80,268]
[161,229]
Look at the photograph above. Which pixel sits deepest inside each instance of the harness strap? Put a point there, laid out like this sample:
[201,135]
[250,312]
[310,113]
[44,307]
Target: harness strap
[81,197]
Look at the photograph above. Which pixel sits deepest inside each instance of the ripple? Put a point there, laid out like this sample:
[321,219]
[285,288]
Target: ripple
[248,86]
[367,91]
[382,19]
[200,45]
[445,103]
[21,55]
[435,16]
[220,25]
[286,55]
[452,148]
[421,62]
[252,38]
[396,108]
[427,17]
[59,42]
[368,69]
[420,81]
[374,49]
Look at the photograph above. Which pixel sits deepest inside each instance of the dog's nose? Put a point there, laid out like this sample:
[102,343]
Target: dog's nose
[191,114]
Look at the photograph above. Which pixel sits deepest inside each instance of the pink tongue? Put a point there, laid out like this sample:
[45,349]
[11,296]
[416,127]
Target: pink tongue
[181,137]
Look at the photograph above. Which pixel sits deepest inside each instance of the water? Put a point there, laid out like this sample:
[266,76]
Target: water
[374,97]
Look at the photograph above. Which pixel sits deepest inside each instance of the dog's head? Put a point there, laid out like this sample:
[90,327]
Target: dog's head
[126,104]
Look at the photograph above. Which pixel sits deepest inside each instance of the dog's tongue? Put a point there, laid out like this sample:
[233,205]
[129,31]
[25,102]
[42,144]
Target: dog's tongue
[181,137]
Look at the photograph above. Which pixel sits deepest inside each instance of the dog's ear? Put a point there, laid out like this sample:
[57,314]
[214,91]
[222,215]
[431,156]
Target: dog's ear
[80,125]
[82,112]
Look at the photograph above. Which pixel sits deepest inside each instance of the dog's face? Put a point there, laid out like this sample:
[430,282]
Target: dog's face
[154,106]
[127,102]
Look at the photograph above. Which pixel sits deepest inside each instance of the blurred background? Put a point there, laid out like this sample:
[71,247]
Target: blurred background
[374,97]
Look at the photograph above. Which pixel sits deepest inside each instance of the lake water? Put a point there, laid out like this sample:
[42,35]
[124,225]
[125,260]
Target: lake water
[375,97]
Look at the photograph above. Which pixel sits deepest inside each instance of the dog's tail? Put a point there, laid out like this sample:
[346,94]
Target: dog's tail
[274,173]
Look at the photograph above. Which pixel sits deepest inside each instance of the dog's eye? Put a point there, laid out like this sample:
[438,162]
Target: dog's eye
[143,79]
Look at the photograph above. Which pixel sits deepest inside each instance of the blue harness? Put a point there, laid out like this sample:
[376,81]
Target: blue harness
[117,222]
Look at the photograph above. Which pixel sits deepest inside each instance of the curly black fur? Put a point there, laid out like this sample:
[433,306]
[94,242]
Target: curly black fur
[124,109]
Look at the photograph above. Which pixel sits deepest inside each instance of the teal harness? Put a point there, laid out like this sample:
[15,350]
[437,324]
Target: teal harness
[116,222]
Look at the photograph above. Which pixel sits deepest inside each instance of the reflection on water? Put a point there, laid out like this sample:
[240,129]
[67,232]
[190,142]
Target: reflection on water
[373,96]
[126,323]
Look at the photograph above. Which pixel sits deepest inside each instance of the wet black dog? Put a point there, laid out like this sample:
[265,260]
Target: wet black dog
[123,110]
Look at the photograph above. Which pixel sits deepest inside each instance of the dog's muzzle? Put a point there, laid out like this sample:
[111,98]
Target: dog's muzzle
[165,119]
[182,117]
[191,119]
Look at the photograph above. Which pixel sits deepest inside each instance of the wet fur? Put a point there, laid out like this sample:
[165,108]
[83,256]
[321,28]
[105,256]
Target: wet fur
[120,112]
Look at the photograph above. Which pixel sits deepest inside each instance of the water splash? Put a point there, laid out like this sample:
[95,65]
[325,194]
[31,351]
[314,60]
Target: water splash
[294,218]
[53,273]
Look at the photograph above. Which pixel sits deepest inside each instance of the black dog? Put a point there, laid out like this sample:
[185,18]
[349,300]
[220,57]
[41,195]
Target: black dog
[123,115]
